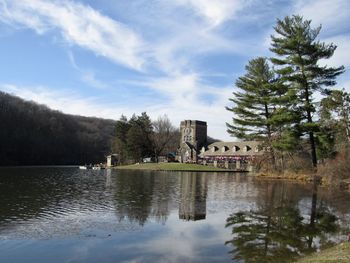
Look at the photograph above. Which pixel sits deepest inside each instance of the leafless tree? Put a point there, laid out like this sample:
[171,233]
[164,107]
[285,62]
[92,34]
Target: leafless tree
[165,136]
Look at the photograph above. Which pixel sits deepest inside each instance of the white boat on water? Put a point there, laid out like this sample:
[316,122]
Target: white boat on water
[88,167]
[98,168]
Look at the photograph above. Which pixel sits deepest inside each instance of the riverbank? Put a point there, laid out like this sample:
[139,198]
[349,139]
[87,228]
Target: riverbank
[298,176]
[339,254]
[306,177]
[171,167]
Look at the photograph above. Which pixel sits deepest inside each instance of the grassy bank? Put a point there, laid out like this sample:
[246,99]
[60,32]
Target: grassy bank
[337,254]
[170,167]
[299,176]
[306,177]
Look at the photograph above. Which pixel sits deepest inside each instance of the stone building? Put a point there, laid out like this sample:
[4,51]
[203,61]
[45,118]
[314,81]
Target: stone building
[193,138]
[231,155]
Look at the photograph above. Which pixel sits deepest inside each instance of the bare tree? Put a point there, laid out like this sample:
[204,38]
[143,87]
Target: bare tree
[165,136]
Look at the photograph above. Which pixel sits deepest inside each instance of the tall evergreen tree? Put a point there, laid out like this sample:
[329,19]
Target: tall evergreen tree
[298,53]
[139,137]
[253,102]
[119,143]
[257,110]
[133,138]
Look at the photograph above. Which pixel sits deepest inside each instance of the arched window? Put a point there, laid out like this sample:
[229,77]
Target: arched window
[224,149]
[247,148]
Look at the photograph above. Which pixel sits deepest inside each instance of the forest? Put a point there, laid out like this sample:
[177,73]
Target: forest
[33,134]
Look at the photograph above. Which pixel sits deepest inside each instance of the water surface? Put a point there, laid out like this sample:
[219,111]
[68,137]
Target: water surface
[62,214]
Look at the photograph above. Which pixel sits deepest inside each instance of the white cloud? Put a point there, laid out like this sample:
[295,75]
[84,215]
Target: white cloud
[185,93]
[333,15]
[215,11]
[79,25]
[342,53]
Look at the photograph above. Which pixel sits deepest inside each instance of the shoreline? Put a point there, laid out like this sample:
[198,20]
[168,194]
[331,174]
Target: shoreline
[305,177]
[339,253]
[172,167]
[302,177]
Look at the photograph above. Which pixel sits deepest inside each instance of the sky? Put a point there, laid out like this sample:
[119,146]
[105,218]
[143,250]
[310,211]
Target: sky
[106,58]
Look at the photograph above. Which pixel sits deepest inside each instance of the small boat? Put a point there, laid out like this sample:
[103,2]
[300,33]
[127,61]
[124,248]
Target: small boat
[85,167]
[97,168]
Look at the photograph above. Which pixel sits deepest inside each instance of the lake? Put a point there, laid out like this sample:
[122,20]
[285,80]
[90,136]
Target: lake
[62,214]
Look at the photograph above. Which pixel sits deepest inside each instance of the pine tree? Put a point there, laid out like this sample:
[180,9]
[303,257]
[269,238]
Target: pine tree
[298,53]
[119,143]
[253,102]
[139,137]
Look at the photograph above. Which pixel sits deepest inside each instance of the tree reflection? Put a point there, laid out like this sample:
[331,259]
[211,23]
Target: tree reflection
[133,196]
[276,231]
[141,196]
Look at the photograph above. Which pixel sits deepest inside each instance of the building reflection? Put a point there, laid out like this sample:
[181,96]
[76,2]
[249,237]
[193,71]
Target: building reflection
[193,196]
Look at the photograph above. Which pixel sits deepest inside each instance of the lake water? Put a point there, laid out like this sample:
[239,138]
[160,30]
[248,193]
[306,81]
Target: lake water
[62,214]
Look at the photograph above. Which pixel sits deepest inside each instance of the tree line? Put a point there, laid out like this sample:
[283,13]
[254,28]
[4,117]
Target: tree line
[139,137]
[276,99]
[33,134]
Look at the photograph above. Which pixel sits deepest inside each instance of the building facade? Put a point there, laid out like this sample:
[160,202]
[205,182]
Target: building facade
[231,155]
[193,138]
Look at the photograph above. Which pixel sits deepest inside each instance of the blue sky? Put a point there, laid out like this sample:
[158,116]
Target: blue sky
[181,57]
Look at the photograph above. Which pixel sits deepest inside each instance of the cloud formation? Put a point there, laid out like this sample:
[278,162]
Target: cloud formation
[79,25]
[332,15]
[214,11]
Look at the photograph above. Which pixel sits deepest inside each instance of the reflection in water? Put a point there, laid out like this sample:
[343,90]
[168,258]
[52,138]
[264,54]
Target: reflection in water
[133,196]
[138,197]
[193,199]
[276,231]
[114,216]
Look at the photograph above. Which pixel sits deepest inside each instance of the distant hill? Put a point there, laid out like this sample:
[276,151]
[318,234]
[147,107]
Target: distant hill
[33,134]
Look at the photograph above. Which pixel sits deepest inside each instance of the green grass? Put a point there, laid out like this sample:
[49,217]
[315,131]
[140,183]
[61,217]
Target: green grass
[337,254]
[170,167]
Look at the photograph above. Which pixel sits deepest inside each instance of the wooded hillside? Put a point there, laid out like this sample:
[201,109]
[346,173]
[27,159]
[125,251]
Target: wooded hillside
[33,134]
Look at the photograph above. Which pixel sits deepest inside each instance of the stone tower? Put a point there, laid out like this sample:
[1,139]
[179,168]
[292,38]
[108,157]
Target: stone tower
[193,197]
[193,138]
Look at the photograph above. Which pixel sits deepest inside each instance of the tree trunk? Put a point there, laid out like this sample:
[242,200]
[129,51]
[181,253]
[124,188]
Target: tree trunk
[268,127]
[309,117]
